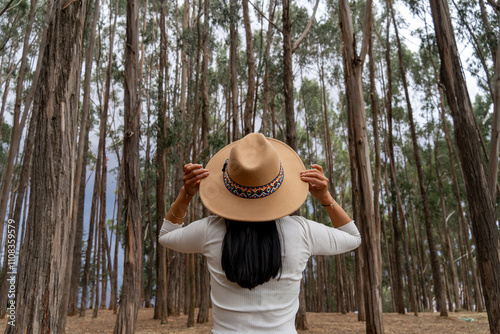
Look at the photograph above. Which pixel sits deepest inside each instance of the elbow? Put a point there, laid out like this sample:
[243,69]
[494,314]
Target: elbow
[358,241]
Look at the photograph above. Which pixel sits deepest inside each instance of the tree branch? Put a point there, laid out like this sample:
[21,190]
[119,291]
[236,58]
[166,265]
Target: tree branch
[367,29]
[495,5]
[306,30]
[6,7]
[264,16]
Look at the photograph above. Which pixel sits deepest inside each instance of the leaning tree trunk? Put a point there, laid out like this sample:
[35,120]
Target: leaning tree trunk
[14,143]
[132,272]
[353,67]
[436,272]
[81,165]
[478,193]
[47,252]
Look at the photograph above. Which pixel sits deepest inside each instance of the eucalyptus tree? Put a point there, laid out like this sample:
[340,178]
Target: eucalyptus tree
[14,142]
[133,258]
[479,196]
[436,272]
[397,278]
[42,300]
[161,167]
[360,161]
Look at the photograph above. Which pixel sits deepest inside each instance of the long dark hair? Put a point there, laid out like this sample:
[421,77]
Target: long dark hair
[251,252]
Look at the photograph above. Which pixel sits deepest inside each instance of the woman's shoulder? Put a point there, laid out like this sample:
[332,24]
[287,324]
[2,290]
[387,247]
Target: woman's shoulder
[296,220]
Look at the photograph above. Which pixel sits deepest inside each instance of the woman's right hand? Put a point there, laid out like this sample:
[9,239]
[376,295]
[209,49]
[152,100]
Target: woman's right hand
[193,174]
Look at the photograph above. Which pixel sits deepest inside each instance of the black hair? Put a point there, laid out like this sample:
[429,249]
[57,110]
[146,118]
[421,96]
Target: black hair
[251,252]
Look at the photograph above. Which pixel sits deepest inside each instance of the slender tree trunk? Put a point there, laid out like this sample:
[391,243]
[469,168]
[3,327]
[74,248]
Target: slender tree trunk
[233,35]
[204,279]
[251,69]
[161,178]
[97,269]
[47,252]
[495,127]
[18,125]
[291,136]
[77,258]
[16,216]
[447,239]
[267,60]
[376,137]
[8,169]
[81,163]
[114,269]
[479,196]
[353,67]
[397,287]
[436,272]
[132,275]
[467,289]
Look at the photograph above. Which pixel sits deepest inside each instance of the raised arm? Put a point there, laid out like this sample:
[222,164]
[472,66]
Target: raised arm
[193,173]
[318,187]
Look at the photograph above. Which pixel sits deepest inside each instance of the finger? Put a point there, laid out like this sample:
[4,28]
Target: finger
[314,173]
[195,176]
[318,167]
[190,167]
[318,184]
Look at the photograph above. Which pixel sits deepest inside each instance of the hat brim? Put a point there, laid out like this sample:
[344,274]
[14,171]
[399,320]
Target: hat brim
[285,200]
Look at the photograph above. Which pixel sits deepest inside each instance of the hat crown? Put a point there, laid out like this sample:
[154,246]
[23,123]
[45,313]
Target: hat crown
[253,161]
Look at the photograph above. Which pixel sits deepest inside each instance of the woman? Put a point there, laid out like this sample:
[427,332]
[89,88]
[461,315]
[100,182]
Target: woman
[255,251]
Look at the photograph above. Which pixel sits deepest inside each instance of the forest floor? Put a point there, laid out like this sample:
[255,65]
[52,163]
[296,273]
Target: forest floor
[458,323]
[461,322]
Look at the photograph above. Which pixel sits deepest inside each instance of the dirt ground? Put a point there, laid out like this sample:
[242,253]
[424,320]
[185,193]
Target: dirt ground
[457,323]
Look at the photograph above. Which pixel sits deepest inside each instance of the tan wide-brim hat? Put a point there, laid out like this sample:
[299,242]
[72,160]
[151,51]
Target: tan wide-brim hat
[254,179]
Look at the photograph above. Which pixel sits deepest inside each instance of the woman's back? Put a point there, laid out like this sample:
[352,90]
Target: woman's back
[270,307]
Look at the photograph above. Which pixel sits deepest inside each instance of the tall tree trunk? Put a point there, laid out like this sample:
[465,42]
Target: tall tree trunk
[81,164]
[376,140]
[291,136]
[205,118]
[495,126]
[97,268]
[148,221]
[18,124]
[27,160]
[251,69]
[161,178]
[353,67]
[436,272]
[77,257]
[397,287]
[132,273]
[267,60]
[21,190]
[233,54]
[479,196]
[467,289]
[447,239]
[114,269]
[47,252]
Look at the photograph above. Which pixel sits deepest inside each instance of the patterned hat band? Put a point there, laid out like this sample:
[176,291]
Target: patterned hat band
[252,192]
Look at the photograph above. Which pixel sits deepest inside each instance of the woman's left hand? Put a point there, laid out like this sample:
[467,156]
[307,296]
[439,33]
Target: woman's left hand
[318,183]
[193,174]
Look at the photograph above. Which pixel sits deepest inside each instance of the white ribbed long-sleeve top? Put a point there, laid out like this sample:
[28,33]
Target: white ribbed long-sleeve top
[270,307]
